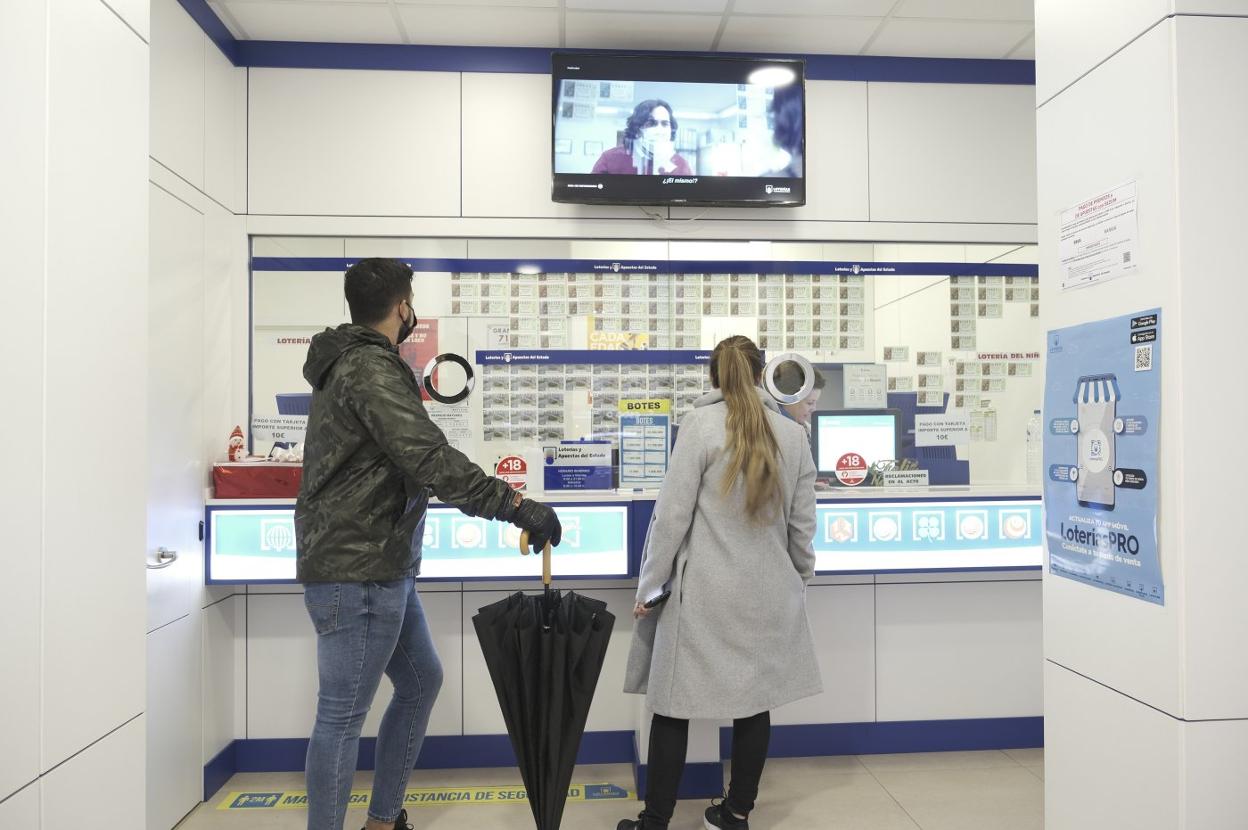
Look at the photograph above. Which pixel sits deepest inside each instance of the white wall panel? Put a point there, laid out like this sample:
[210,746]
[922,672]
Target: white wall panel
[507,142]
[1212,121]
[1215,757]
[96,374]
[1126,98]
[21,810]
[952,153]
[298,298]
[175,737]
[612,710]
[225,639]
[958,650]
[482,715]
[135,14]
[176,466]
[23,53]
[225,130]
[354,142]
[1073,36]
[281,668]
[842,619]
[836,159]
[178,48]
[103,781]
[1087,755]
[1210,7]
[225,328]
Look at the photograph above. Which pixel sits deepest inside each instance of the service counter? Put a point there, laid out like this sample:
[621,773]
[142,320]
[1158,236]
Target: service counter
[926,613]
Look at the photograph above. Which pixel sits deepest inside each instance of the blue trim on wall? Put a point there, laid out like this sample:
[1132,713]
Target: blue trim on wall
[812,740]
[295,55]
[536,61]
[438,752]
[683,266]
[701,780]
[207,19]
[220,770]
[642,513]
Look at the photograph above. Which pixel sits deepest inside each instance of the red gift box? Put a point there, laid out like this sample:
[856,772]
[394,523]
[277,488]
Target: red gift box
[259,480]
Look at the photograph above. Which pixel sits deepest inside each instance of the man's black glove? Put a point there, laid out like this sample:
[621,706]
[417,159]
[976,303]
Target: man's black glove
[541,523]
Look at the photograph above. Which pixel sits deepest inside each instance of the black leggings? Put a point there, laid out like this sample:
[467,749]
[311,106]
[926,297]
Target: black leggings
[669,741]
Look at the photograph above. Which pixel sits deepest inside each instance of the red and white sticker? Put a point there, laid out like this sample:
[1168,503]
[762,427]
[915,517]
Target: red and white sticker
[851,469]
[513,470]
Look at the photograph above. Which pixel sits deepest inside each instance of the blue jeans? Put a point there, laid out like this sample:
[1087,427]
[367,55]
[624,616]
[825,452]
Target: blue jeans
[364,629]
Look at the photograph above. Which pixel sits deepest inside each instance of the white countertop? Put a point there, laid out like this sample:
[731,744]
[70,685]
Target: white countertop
[975,491]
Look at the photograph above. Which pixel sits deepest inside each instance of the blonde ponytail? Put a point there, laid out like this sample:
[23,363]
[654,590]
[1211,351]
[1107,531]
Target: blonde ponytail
[736,365]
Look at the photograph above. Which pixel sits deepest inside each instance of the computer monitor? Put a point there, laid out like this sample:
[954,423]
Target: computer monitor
[848,441]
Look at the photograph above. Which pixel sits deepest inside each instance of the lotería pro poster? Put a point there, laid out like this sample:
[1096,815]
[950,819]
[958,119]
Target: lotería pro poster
[1102,403]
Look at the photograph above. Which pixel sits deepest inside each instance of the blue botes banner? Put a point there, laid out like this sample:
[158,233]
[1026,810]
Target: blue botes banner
[1102,403]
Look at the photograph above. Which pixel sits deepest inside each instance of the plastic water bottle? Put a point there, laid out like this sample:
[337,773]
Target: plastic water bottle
[1035,447]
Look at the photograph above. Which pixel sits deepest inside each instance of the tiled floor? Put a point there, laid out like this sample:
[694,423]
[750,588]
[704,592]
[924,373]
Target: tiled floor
[934,791]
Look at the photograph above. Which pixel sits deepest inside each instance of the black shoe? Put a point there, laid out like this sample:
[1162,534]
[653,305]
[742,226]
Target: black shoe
[628,824]
[400,823]
[719,817]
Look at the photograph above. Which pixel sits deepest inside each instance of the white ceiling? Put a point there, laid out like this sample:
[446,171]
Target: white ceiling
[909,28]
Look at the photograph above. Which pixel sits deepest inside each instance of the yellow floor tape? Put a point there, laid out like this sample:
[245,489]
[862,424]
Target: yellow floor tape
[422,797]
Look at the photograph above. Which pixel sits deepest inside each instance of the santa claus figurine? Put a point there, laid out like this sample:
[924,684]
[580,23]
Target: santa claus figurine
[237,451]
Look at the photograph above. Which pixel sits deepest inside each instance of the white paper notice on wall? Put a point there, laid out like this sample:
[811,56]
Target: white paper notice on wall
[282,429]
[946,430]
[1099,238]
[498,336]
[453,420]
[715,329]
[865,386]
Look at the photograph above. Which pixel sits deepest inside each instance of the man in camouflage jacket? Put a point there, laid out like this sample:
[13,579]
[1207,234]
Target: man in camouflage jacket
[371,458]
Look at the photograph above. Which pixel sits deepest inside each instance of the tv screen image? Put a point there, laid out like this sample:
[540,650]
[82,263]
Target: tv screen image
[660,130]
[848,441]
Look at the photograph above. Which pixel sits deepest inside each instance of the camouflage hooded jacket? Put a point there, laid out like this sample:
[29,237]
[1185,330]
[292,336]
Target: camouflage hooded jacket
[371,457]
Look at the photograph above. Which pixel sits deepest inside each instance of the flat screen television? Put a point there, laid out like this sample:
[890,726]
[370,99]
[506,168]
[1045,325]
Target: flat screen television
[846,442]
[654,130]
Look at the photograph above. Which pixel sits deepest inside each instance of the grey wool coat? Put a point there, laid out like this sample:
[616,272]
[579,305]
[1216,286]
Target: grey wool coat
[733,640]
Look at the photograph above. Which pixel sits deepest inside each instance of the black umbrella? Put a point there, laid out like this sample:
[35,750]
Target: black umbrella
[545,653]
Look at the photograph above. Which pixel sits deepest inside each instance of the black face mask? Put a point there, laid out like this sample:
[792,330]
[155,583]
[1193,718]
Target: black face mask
[406,328]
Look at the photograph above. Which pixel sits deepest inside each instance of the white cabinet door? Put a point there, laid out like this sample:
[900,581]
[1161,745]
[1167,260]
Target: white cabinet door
[175,772]
[175,487]
[176,467]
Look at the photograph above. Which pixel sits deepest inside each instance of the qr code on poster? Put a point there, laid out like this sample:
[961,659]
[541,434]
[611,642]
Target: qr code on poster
[1144,358]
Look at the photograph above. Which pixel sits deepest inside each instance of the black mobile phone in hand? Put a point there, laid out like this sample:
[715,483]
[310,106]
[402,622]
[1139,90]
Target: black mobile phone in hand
[657,601]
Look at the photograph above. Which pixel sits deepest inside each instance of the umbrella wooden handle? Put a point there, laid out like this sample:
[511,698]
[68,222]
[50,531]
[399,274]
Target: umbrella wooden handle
[524,550]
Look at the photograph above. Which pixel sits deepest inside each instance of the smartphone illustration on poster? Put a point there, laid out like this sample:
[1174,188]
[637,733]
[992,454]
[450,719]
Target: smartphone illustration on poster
[1097,399]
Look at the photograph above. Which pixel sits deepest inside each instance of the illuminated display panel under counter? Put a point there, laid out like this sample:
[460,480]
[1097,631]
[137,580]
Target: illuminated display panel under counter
[928,535]
[256,543]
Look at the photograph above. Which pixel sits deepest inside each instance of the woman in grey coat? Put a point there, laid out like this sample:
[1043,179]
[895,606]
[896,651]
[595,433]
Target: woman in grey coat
[731,541]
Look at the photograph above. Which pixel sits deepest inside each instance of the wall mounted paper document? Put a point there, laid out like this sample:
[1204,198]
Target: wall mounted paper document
[1099,238]
[865,386]
[942,430]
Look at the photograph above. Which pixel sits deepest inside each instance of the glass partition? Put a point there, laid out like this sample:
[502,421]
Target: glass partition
[558,332]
